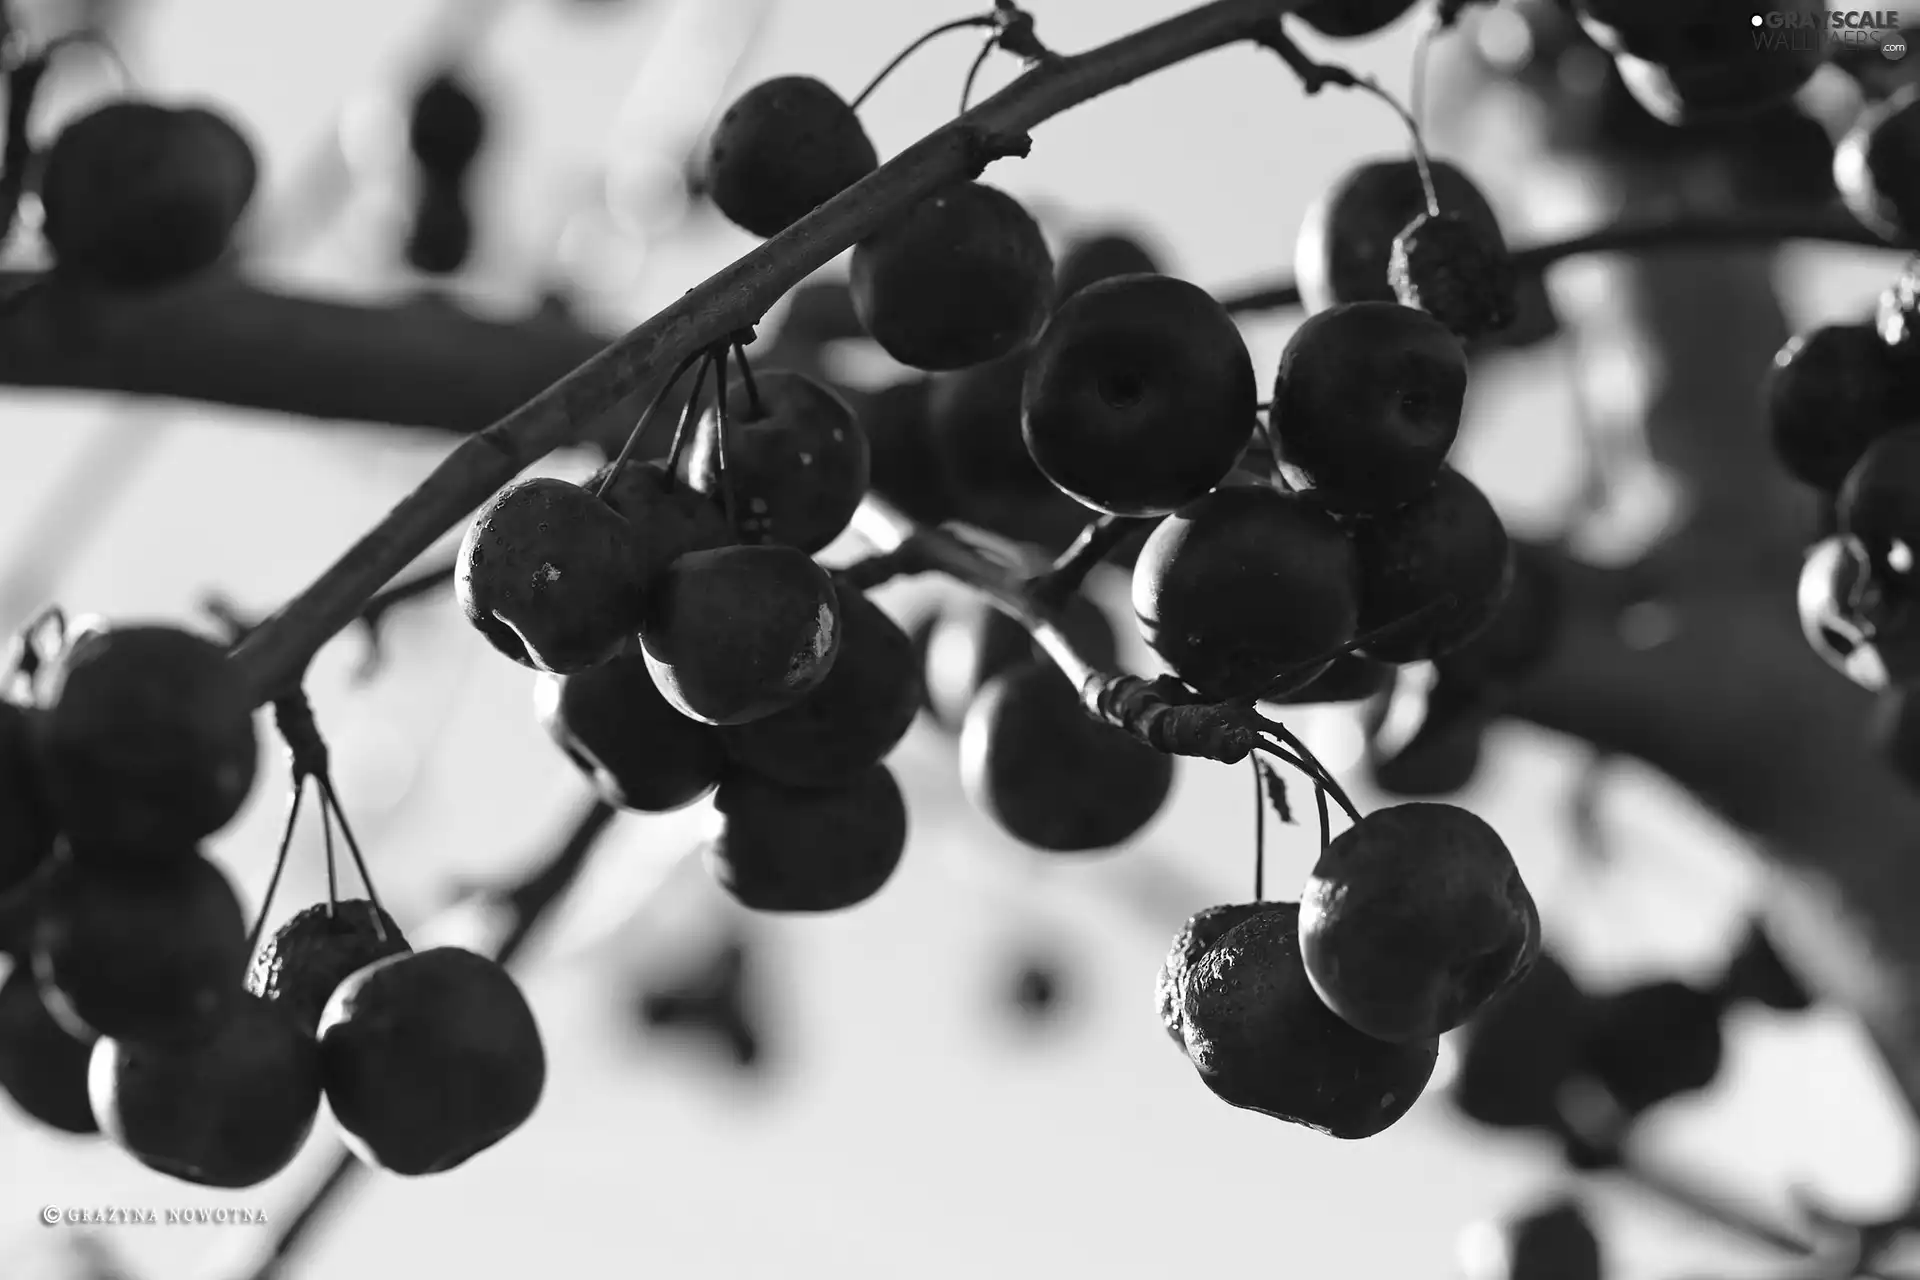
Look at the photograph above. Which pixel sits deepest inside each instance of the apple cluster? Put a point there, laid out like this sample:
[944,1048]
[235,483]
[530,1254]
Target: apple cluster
[131,1009]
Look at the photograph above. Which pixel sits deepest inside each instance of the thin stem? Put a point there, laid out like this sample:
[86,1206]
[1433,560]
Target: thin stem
[1319,770]
[279,861]
[1094,544]
[722,433]
[333,866]
[973,72]
[640,425]
[683,430]
[1421,160]
[978,20]
[754,406]
[353,850]
[1259,830]
[1417,86]
[1282,684]
[1326,819]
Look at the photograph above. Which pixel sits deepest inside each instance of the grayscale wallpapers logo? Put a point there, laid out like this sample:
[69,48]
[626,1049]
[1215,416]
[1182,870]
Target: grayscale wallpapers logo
[1842,29]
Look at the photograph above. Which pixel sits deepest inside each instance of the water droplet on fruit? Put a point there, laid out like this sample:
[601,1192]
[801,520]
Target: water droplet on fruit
[547,574]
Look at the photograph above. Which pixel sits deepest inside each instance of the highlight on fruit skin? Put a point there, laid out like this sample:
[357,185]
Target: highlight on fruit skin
[1413,919]
[963,277]
[1849,618]
[1875,165]
[430,1058]
[794,850]
[1139,395]
[784,148]
[1261,1040]
[146,743]
[1049,774]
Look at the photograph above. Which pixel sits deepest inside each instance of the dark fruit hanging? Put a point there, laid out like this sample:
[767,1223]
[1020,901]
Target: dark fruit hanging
[1879,504]
[1049,774]
[1197,936]
[232,1112]
[1653,1042]
[738,633]
[669,519]
[636,748]
[1349,19]
[151,954]
[1346,240]
[147,743]
[309,956]
[550,575]
[1877,166]
[1244,587]
[1829,394]
[1456,271]
[793,850]
[1442,560]
[961,278]
[981,457]
[784,148]
[1413,919]
[1521,1050]
[43,1066]
[1139,395]
[856,716]
[430,1058]
[137,195]
[1262,1040]
[796,460]
[1367,403]
[1101,256]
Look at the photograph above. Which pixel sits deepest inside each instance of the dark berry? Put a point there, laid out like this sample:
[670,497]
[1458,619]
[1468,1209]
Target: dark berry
[1436,571]
[1830,393]
[784,148]
[1451,268]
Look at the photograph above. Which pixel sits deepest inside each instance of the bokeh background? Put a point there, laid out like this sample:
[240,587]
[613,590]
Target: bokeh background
[910,1122]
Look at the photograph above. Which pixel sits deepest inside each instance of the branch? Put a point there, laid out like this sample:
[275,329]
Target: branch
[733,300]
[1719,230]
[527,904]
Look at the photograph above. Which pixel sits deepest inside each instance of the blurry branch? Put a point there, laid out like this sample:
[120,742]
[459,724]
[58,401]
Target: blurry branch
[729,302]
[526,904]
[1730,229]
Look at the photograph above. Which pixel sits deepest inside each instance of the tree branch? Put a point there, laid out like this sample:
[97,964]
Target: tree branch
[734,299]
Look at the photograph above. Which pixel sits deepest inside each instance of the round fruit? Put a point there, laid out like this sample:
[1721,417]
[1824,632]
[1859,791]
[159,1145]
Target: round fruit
[738,633]
[26,821]
[854,718]
[1830,393]
[1347,19]
[961,278]
[982,458]
[784,148]
[43,1068]
[1413,919]
[1879,504]
[619,730]
[797,467]
[971,642]
[794,850]
[670,518]
[1244,587]
[1849,619]
[1683,1021]
[1444,557]
[1261,1039]
[1049,774]
[1346,240]
[1877,166]
[147,742]
[1521,1051]
[152,955]
[430,1058]
[1197,936]
[1456,271]
[228,1113]
[446,127]
[137,195]
[309,956]
[1367,403]
[550,575]
[1093,258]
[1139,396]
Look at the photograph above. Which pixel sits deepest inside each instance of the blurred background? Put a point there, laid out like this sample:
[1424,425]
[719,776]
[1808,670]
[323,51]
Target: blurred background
[964,1076]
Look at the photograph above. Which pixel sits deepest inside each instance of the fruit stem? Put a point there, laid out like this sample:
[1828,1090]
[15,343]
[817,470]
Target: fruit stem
[279,861]
[683,430]
[332,800]
[1316,769]
[754,406]
[333,865]
[1259,829]
[646,415]
[1098,540]
[721,437]
[973,72]
[1283,683]
[978,20]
